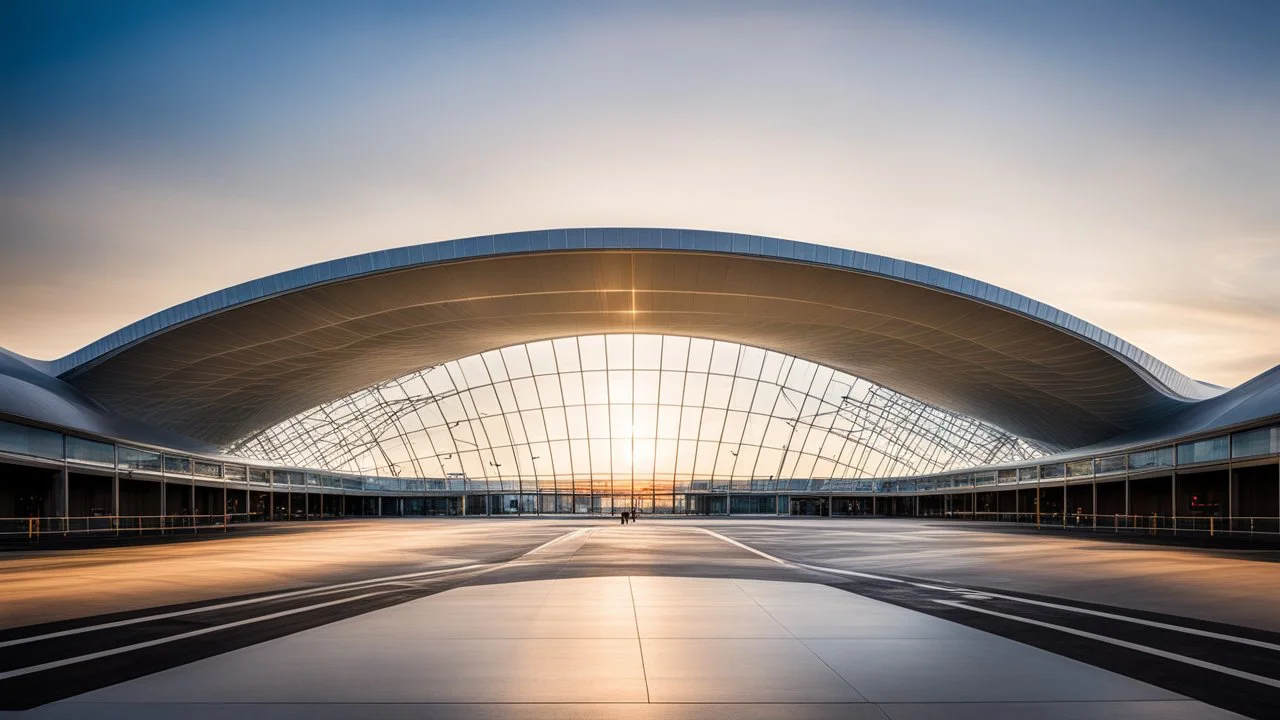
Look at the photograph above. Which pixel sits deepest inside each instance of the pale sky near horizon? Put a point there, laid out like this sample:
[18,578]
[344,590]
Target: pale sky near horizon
[1120,161]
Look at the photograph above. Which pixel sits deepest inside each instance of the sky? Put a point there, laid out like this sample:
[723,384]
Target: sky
[1120,161]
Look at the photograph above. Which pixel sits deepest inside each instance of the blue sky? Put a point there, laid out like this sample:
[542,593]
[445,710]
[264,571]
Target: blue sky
[1118,160]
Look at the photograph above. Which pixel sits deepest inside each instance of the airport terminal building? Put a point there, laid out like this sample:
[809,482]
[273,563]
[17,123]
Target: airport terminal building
[598,370]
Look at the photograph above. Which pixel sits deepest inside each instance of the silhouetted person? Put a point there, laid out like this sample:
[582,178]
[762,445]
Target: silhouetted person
[623,516]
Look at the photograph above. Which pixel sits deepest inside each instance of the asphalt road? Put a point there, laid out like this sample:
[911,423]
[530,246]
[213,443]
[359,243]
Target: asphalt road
[1197,622]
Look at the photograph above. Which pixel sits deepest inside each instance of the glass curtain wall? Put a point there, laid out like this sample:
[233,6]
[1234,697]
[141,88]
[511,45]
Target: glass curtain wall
[629,415]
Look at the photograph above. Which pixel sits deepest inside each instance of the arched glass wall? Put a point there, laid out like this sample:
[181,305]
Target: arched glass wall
[631,414]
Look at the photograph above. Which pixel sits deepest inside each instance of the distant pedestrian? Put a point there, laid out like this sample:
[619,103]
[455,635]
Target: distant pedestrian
[623,516]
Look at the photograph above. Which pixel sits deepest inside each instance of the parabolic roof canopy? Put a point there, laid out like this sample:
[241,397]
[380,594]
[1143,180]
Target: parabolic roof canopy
[224,366]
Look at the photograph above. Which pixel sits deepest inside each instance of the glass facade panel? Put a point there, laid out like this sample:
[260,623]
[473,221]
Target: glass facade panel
[177,464]
[1104,465]
[1080,468]
[26,440]
[644,413]
[1263,441]
[1147,459]
[1203,450]
[135,459]
[207,469]
[1056,470]
[90,451]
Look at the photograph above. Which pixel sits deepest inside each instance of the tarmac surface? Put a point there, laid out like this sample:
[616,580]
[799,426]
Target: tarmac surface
[574,617]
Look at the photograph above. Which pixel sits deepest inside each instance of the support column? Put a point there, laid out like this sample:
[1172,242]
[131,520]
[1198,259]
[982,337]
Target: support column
[1233,489]
[1094,512]
[1173,500]
[115,486]
[64,498]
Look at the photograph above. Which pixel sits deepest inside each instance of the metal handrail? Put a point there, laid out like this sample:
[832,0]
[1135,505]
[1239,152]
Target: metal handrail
[1153,523]
[34,527]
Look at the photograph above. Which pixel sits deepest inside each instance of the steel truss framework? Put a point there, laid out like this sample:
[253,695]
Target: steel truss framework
[631,414]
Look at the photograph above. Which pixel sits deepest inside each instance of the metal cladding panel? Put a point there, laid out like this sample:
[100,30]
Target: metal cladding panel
[231,362]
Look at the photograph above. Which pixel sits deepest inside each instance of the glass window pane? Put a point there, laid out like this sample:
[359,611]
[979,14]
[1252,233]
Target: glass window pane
[90,451]
[26,440]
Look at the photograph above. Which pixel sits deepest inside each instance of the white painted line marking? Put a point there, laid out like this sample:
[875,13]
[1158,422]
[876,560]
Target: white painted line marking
[1140,621]
[748,548]
[853,573]
[559,539]
[1122,643]
[984,595]
[321,590]
[181,636]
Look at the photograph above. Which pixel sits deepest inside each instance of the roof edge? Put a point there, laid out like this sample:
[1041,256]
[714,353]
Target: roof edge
[1160,375]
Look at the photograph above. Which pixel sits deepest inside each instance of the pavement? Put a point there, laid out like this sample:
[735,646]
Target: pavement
[675,618]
